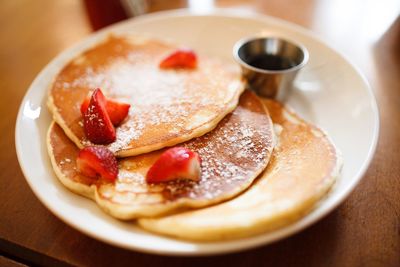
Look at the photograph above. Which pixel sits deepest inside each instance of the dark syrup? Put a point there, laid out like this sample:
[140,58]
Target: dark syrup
[271,62]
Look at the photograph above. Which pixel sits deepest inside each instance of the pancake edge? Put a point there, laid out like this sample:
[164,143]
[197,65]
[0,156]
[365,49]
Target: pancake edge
[154,210]
[266,225]
[78,188]
[197,132]
[58,119]
[183,204]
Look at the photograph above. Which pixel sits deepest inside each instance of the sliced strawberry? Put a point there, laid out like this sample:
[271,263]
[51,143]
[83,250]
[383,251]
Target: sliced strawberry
[175,163]
[181,58]
[85,105]
[116,110]
[96,121]
[95,161]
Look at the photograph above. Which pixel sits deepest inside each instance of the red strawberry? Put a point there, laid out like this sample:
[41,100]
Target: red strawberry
[116,110]
[95,161]
[96,121]
[181,58]
[175,163]
[85,105]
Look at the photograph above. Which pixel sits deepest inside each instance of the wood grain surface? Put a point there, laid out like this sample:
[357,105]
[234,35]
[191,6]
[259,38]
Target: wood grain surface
[363,231]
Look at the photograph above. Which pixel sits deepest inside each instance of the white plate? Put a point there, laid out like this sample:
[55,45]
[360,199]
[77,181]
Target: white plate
[330,93]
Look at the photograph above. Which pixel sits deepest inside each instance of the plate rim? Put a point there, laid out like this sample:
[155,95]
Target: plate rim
[249,242]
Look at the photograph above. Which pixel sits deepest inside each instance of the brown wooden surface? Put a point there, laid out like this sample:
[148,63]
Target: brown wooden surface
[6,262]
[363,231]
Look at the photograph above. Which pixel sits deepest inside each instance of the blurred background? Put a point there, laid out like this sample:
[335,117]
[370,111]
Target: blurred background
[32,32]
[46,27]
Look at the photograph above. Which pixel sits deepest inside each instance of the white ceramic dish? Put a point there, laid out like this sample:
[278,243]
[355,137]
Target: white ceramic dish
[330,92]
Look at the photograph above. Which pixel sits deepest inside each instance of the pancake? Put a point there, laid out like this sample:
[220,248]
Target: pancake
[232,155]
[167,106]
[302,169]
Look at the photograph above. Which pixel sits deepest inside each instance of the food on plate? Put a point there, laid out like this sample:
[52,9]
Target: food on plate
[181,58]
[169,137]
[116,110]
[173,164]
[97,124]
[302,169]
[168,106]
[232,156]
[97,161]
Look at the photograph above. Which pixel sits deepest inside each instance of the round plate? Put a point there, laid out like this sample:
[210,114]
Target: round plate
[329,92]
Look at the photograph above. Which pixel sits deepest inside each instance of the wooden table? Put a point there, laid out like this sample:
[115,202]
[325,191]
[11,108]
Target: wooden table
[363,231]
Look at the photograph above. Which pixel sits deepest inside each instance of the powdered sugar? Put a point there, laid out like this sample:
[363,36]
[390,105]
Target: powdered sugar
[231,157]
[163,102]
[231,154]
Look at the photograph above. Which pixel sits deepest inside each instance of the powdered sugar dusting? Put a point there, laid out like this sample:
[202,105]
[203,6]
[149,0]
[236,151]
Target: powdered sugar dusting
[162,101]
[232,155]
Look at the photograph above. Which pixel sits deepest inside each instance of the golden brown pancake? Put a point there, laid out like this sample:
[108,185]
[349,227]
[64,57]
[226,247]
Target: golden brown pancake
[167,106]
[232,155]
[302,169]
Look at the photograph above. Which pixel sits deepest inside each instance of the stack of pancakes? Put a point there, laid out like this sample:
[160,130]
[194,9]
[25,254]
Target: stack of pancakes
[262,166]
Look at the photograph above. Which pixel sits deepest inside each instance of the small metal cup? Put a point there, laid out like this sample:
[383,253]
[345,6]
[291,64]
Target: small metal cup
[270,64]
